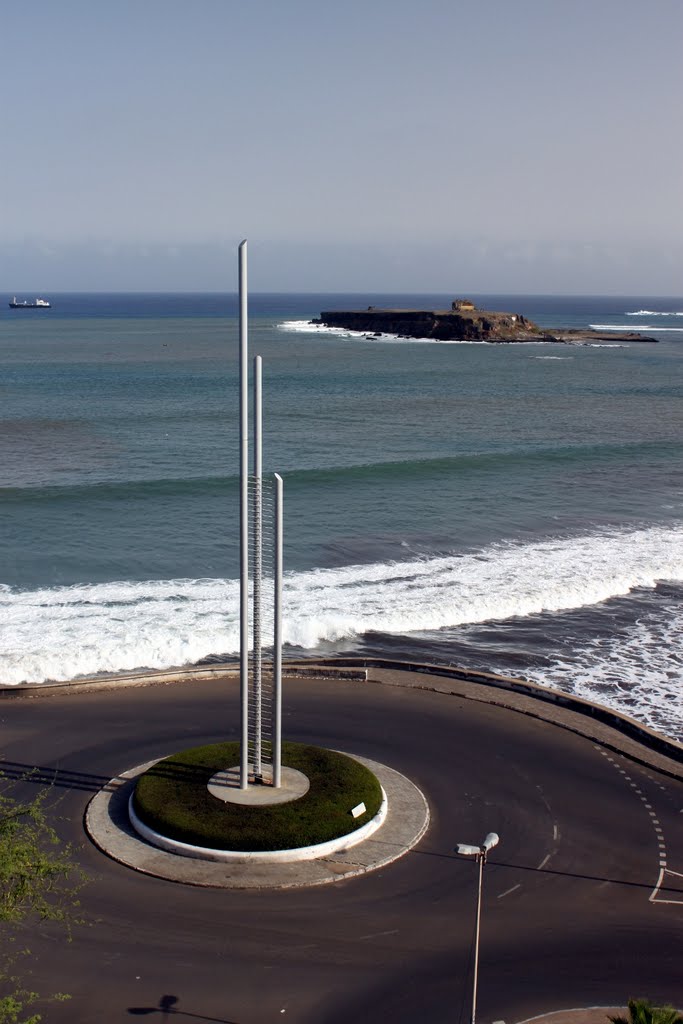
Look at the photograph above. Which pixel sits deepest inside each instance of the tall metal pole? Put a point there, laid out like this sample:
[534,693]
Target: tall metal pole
[481,858]
[258,568]
[244,521]
[479,852]
[277,635]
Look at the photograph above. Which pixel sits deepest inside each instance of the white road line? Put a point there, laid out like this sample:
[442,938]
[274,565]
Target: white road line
[556,832]
[543,862]
[659,834]
[508,891]
[662,872]
[378,935]
[653,894]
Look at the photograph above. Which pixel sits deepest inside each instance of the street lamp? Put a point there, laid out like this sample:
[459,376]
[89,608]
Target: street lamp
[479,852]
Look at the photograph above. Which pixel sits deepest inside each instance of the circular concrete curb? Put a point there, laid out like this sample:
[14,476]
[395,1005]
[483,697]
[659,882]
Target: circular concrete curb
[407,820]
[301,853]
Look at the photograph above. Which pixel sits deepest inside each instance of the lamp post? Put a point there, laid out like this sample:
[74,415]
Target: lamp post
[479,853]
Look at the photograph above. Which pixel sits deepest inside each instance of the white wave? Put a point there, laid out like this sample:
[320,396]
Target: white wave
[639,673]
[306,327]
[66,632]
[632,327]
[653,312]
[62,633]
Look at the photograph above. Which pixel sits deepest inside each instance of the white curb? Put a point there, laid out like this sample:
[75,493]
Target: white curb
[261,857]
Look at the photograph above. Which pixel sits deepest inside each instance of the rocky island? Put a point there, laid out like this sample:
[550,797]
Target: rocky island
[463,322]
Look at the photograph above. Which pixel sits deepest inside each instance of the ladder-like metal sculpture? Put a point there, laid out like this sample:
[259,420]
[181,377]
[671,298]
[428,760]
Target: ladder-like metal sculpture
[260,685]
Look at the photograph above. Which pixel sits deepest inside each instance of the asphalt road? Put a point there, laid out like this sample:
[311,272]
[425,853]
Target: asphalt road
[572,915]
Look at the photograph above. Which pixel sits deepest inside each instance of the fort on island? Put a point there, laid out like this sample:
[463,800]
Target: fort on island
[462,322]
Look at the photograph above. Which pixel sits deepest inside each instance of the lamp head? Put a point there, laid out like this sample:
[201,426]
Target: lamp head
[490,841]
[465,850]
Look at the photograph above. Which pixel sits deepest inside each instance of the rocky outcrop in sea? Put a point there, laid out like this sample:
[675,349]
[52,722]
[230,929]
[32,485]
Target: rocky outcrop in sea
[463,322]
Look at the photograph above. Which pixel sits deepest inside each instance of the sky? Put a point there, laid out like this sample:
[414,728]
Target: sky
[529,146]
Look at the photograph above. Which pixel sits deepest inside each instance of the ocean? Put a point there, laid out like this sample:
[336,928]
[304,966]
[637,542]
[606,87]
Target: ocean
[510,508]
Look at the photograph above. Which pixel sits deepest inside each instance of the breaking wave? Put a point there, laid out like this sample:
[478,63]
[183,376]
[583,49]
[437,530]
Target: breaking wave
[633,327]
[306,327]
[65,632]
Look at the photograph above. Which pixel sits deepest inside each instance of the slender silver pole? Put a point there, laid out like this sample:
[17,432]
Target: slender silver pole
[257,568]
[481,858]
[277,635]
[244,521]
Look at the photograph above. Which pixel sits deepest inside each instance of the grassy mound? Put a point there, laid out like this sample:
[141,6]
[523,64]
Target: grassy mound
[172,798]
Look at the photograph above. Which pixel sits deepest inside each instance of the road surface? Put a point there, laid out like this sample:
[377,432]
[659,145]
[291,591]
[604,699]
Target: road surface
[583,898]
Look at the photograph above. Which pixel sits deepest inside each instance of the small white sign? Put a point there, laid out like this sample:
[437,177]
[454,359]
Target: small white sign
[358,810]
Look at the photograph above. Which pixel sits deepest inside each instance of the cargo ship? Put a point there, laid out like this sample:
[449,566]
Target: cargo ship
[25,304]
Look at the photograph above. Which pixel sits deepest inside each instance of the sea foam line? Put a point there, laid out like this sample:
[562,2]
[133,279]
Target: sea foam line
[637,671]
[65,632]
[306,327]
[632,327]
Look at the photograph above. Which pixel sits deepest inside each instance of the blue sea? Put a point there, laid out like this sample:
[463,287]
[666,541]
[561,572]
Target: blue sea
[513,508]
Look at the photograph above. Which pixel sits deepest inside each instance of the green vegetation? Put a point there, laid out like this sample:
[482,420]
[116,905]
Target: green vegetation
[38,879]
[172,798]
[641,1011]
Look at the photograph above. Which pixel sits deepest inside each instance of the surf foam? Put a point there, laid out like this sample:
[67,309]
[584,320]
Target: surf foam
[638,671]
[306,327]
[66,632]
[632,327]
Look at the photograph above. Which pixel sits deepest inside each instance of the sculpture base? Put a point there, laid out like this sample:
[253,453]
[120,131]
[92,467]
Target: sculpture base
[225,786]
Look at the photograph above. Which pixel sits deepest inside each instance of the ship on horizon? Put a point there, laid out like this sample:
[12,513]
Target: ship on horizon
[25,304]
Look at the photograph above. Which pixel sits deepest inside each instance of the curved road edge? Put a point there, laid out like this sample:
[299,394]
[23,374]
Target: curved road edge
[597,722]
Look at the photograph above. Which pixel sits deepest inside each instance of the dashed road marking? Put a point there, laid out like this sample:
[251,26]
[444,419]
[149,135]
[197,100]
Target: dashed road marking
[659,833]
[508,891]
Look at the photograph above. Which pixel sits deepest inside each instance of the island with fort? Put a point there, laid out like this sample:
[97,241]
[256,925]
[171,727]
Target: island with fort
[463,322]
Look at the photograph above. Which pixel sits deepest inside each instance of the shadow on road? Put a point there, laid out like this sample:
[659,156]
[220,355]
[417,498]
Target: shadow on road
[550,871]
[167,1007]
[39,775]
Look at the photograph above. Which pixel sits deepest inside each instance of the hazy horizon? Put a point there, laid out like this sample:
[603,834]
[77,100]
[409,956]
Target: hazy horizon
[459,146]
[270,292]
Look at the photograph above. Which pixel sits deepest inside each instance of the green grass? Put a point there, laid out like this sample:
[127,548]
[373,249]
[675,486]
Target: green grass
[172,798]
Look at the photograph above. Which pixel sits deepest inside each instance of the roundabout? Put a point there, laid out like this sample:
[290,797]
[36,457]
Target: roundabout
[582,902]
[114,825]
